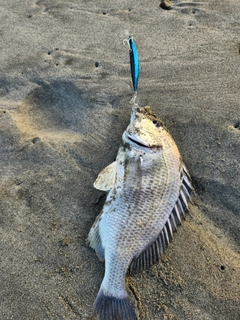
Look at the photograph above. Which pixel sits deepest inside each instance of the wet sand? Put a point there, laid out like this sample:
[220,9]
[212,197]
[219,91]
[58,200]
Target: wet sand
[65,88]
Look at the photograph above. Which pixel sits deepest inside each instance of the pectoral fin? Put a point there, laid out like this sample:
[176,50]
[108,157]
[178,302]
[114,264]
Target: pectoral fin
[106,178]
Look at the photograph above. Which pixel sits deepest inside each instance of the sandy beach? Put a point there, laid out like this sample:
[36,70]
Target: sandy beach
[65,91]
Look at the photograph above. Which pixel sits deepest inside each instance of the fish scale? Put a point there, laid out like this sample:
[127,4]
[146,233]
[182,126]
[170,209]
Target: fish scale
[148,190]
[148,212]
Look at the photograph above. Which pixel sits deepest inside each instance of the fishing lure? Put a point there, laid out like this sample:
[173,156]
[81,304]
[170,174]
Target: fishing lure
[134,62]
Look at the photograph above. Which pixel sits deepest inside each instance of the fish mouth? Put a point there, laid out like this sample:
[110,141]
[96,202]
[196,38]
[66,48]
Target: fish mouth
[141,144]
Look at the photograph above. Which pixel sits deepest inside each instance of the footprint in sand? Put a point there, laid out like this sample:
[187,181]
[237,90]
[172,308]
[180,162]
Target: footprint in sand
[61,112]
[56,10]
[56,109]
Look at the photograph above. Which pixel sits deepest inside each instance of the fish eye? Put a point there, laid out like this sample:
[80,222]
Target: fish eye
[156,123]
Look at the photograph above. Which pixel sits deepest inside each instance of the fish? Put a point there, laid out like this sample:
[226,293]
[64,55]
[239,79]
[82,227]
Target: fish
[148,189]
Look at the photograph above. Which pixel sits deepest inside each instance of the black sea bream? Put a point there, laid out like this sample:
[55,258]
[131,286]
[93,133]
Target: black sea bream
[149,188]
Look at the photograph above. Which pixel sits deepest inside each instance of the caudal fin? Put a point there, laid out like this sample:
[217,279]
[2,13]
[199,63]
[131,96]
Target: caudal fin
[111,308]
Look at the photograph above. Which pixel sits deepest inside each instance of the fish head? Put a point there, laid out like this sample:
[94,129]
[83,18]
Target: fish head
[145,130]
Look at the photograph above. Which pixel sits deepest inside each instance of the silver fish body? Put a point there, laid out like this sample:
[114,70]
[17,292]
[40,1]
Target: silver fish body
[149,188]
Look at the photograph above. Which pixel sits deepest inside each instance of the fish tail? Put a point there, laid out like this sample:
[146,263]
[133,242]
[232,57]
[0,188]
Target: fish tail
[112,308]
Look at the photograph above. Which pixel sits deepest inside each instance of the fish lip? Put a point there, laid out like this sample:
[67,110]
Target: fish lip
[140,144]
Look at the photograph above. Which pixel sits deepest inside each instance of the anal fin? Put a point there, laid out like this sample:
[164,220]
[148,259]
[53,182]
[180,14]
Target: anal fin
[94,240]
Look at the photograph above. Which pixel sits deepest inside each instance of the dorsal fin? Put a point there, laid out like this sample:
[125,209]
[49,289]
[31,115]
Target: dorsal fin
[153,252]
[106,178]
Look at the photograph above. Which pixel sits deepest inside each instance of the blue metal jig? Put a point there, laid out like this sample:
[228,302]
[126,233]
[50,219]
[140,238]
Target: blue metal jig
[134,62]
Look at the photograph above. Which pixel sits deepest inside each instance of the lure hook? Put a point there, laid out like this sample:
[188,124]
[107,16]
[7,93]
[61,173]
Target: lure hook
[128,43]
[127,40]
